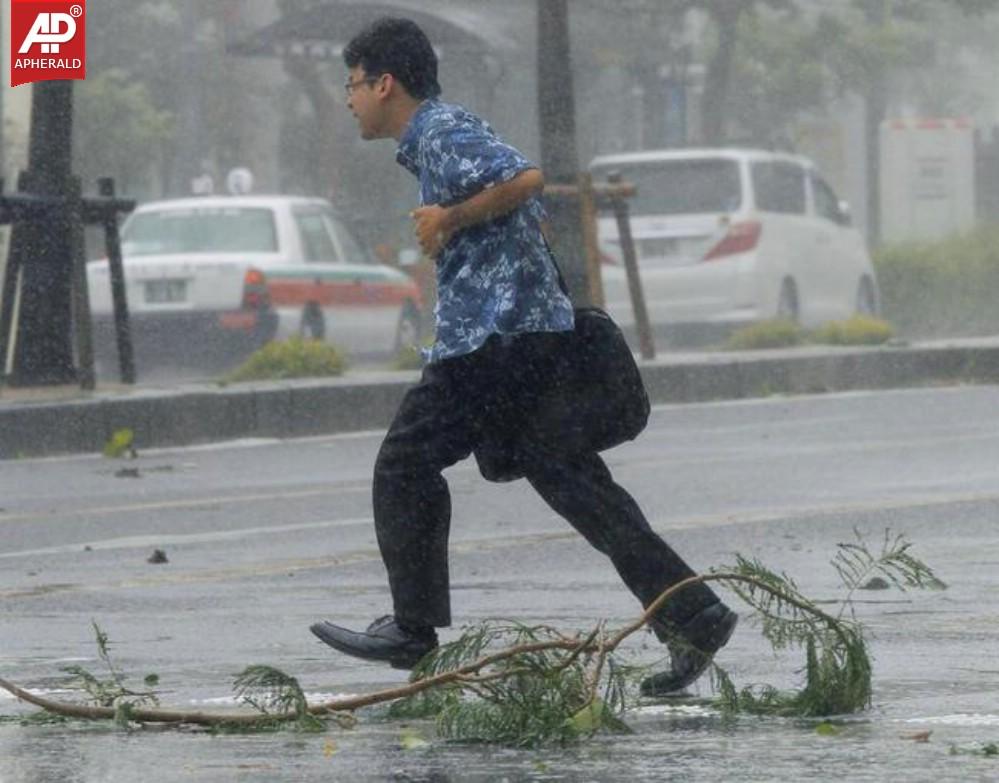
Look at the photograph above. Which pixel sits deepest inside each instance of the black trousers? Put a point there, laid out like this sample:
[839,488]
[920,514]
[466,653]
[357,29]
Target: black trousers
[440,422]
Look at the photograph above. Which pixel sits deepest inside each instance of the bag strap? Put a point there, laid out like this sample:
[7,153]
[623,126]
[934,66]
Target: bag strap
[558,271]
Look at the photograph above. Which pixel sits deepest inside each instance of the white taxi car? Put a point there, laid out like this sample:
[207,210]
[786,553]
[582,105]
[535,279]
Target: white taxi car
[727,237]
[245,269]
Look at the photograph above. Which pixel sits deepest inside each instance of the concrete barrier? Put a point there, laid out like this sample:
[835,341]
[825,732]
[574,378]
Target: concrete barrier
[209,413]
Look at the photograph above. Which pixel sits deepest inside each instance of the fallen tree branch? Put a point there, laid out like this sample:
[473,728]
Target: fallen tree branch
[468,674]
[238,718]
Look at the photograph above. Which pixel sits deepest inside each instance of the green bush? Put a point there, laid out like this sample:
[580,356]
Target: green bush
[944,288]
[776,333]
[407,358]
[859,330]
[293,358]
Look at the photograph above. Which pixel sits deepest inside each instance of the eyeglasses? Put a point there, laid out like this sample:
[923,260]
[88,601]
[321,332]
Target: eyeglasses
[350,86]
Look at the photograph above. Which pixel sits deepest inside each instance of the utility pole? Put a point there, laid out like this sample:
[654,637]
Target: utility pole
[559,159]
[875,109]
[188,155]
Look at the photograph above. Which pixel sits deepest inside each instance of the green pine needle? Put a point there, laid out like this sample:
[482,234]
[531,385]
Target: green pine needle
[275,694]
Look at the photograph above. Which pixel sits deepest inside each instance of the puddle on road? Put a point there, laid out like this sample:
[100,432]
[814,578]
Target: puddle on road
[974,720]
[684,742]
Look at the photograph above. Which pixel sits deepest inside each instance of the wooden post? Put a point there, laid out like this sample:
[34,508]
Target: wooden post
[591,247]
[645,342]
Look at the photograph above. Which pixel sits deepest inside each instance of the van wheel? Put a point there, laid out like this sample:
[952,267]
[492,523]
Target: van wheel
[867,300]
[313,324]
[408,332]
[787,302]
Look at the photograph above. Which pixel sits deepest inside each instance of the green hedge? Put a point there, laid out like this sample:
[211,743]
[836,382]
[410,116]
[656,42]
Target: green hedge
[945,288]
[293,358]
[777,333]
[859,330]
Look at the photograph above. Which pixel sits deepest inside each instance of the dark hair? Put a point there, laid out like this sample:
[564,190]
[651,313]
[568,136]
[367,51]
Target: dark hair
[399,47]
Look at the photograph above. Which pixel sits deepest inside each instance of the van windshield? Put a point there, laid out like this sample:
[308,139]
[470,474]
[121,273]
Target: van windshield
[679,187]
[200,230]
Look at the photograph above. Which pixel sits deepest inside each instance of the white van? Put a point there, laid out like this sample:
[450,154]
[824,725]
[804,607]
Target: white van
[732,236]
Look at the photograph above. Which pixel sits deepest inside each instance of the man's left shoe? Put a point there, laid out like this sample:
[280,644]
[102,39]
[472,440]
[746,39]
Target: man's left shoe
[691,649]
[386,639]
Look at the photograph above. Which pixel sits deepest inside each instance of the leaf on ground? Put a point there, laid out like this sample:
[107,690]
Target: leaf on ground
[411,740]
[120,444]
[826,729]
[918,736]
[588,719]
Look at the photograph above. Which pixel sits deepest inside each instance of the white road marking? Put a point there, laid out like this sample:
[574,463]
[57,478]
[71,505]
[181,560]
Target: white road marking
[515,539]
[206,501]
[214,536]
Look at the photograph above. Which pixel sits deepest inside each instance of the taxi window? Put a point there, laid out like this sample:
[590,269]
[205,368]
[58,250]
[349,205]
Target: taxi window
[200,230]
[317,244]
[353,252]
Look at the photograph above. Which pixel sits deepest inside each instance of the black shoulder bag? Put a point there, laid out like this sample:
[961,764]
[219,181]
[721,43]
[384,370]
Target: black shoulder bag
[594,399]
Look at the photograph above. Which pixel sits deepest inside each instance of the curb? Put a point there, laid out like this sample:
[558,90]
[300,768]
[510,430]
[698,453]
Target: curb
[205,414]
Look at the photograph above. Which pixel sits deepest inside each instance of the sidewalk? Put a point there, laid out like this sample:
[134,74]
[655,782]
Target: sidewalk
[55,420]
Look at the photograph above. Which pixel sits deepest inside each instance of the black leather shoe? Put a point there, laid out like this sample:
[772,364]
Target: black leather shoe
[384,640]
[691,648]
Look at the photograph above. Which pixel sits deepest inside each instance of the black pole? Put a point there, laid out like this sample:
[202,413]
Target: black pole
[122,325]
[3,147]
[8,300]
[5,267]
[82,325]
[42,249]
[559,161]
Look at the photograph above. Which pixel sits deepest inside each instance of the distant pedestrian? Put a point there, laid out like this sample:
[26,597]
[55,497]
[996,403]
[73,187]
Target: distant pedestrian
[499,315]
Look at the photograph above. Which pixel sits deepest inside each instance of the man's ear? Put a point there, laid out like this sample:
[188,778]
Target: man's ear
[386,85]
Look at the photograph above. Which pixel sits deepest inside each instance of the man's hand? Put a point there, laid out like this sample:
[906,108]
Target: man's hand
[433,228]
[435,225]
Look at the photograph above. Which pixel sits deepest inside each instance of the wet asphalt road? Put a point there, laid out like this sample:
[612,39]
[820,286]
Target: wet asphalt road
[263,538]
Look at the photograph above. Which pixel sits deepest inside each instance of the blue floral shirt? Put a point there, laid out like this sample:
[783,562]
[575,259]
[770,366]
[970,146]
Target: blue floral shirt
[495,277]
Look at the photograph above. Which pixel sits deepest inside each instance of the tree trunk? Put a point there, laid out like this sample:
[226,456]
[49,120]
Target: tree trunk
[725,15]
[324,108]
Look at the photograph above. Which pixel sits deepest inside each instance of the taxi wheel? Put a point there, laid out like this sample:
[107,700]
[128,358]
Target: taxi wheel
[407,333]
[313,324]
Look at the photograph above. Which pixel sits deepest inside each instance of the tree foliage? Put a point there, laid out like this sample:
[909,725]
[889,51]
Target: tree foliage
[122,133]
[767,61]
[161,95]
